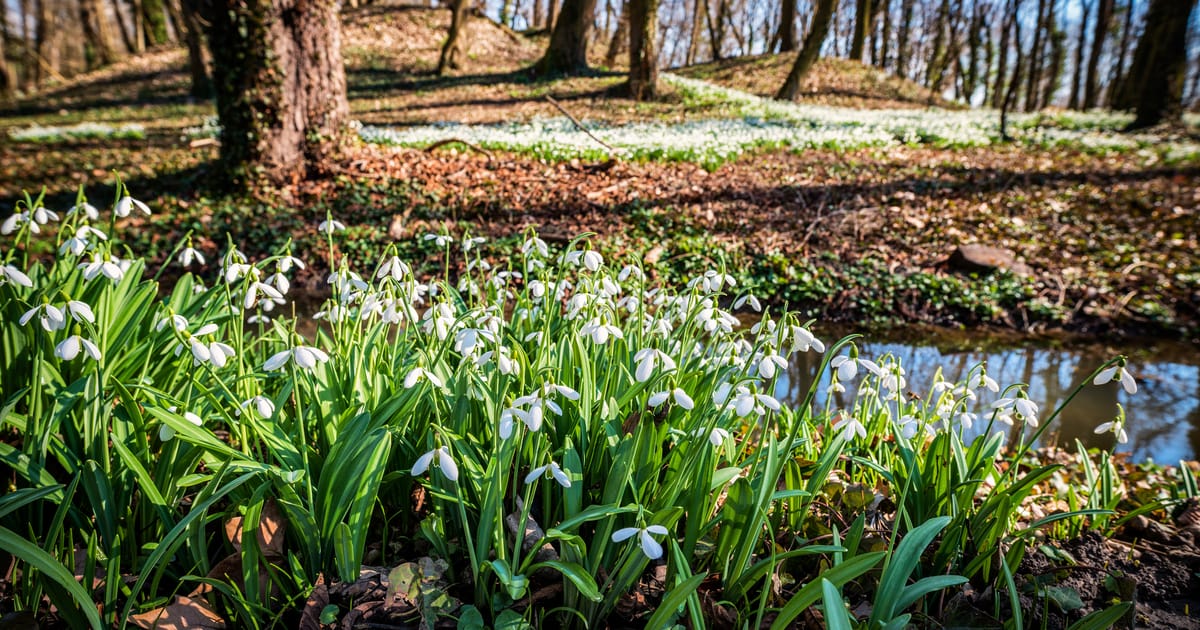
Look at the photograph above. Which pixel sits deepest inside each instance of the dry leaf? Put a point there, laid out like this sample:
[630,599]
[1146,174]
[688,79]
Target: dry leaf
[184,612]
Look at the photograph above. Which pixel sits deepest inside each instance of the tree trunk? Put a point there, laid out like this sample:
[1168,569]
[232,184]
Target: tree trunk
[717,26]
[1081,46]
[699,15]
[643,49]
[620,38]
[974,44]
[880,56]
[809,53]
[787,26]
[126,33]
[1014,86]
[902,37]
[934,70]
[539,14]
[42,66]
[280,85]
[988,56]
[1053,76]
[863,12]
[1010,18]
[1035,59]
[96,31]
[198,61]
[8,78]
[1122,56]
[1154,87]
[154,22]
[1091,91]
[567,52]
[551,14]
[452,48]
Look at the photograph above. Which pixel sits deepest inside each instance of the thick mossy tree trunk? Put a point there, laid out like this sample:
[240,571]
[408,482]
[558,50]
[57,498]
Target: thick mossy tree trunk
[787,26]
[567,52]
[809,53]
[452,49]
[1154,86]
[155,21]
[643,49]
[1091,86]
[97,32]
[280,85]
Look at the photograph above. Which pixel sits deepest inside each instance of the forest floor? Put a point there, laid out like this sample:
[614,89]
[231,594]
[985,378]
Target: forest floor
[1101,241]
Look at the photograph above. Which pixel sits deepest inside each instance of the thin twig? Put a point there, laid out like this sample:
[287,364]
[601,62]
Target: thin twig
[442,143]
[580,126]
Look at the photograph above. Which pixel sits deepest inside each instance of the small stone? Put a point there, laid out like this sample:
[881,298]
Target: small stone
[987,259]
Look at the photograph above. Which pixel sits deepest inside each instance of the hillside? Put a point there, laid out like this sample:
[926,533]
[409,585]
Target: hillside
[838,82]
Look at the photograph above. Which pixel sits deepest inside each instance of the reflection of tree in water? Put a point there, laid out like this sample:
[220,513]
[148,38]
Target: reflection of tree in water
[1154,413]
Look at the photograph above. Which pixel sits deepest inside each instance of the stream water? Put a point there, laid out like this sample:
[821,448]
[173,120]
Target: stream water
[1163,417]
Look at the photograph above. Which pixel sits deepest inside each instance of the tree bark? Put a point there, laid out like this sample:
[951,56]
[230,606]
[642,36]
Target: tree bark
[198,60]
[809,53]
[699,15]
[154,21]
[1154,88]
[974,46]
[1053,75]
[880,57]
[96,31]
[126,33]
[620,38]
[999,94]
[935,69]
[280,86]
[787,26]
[863,12]
[902,37]
[567,52]
[42,64]
[1122,56]
[452,48]
[643,49]
[1080,48]
[1091,90]
[1035,59]
[8,78]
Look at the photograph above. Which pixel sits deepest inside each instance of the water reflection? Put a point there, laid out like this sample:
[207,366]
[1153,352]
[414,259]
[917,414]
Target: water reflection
[1163,416]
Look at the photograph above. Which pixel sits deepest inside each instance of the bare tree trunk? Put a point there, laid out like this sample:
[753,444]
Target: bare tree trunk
[699,15]
[1053,75]
[551,14]
[1035,59]
[988,56]
[1091,91]
[643,49]
[567,52]
[1126,38]
[1010,18]
[1155,85]
[787,26]
[539,14]
[1014,86]
[974,43]
[8,78]
[281,93]
[810,52]
[123,28]
[154,22]
[198,61]
[862,28]
[620,38]
[1080,47]
[902,38]
[41,44]
[96,31]
[717,29]
[934,69]
[452,48]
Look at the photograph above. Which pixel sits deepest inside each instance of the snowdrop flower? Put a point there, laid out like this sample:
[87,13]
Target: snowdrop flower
[847,367]
[444,463]
[12,222]
[588,258]
[504,361]
[393,268]
[69,348]
[908,426]
[9,273]
[562,390]
[128,204]
[1119,373]
[165,432]
[1117,426]
[745,402]
[441,240]
[190,255]
[535,245]
[271,293]
[986,382]
[305,357]
[80,242]
[630,271]
[649,358]
[108,266]
[650,547]
[80,311]
[553,470]
[680,396]
[416,374]
[178,322]
[1027,409]
[712,281]
[966,419]
[769,363]
[286,263]
[85,208]
[261,404]
[850,427]
[49,316]
[329,226]
[43,215]
[716,437]
[803,340]
[600,331]
[471,243]
[748,299]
